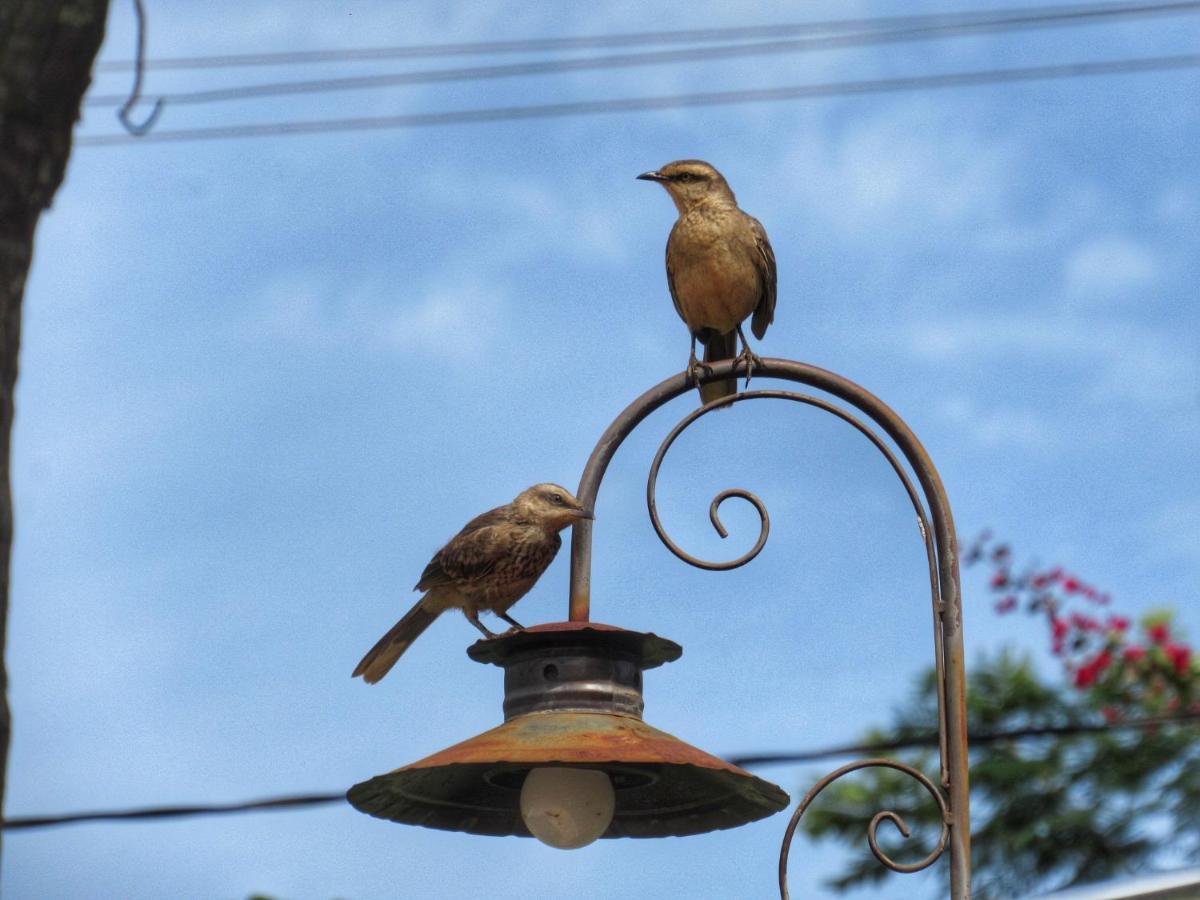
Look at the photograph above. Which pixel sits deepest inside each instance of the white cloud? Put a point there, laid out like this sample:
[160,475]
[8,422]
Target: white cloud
[1113,267]
[532,219]
[1175,530]
[1123,359]
[902,170]
[997,426]
[454,320]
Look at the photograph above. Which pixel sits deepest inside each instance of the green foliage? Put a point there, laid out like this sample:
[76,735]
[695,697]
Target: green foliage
[1047,811]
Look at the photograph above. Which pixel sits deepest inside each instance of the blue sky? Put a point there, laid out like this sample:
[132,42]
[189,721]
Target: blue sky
[263,380]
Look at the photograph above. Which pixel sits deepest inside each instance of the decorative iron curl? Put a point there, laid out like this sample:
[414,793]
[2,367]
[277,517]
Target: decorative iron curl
[713,510]
[872,828]
[763,516]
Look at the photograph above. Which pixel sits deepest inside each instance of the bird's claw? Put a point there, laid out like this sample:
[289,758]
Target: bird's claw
[697,370]
[751,359]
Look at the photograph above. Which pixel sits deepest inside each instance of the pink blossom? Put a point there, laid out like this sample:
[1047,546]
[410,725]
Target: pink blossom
[1085,676]
[1180,656]
[1134,654]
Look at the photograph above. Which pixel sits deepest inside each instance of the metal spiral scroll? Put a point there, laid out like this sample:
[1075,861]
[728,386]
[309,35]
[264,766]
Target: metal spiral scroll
[763,516]
[872,839]
[714,515]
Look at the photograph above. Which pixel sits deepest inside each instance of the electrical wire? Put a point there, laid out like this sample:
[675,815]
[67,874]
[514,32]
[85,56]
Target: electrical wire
[645,38]
[976,738]
[642,104]
[300,801]
[1000,23]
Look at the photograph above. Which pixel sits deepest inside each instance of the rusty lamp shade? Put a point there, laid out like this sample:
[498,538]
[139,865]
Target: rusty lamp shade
[572,700]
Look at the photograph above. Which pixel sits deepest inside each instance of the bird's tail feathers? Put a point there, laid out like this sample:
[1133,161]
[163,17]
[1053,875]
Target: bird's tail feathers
[719,348]
[389,648]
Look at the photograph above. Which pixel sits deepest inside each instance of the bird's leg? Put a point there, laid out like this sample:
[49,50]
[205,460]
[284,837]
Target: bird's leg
[511,621]
[473,618]
[696,368]
[751,358]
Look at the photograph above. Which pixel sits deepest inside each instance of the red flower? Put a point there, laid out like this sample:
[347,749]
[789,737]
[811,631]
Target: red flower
[1071,585]
[1084,623]
[1180,656]
[1000,579]
[1059,631]
[1085,676]
[1008,604]
[1134,654]
[1118,623]
[1159,633]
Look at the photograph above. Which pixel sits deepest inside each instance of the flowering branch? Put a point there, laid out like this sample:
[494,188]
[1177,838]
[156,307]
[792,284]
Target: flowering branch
[1154,671]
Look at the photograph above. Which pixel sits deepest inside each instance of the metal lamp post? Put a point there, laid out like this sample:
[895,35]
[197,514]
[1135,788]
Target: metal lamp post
[574,760]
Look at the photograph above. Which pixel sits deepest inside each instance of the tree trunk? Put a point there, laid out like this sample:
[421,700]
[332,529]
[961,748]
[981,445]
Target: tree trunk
[47,48]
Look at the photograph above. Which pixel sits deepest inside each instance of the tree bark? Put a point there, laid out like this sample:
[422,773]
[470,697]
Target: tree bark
[47,48]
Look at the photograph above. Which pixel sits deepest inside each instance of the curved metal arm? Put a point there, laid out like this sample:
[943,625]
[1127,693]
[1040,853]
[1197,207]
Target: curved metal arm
[873,827]
[937,530]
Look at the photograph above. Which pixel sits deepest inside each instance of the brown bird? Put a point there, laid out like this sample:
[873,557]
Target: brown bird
[491,564]
[720,269]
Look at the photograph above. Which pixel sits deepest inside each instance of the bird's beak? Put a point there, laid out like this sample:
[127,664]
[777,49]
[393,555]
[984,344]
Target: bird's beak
[652,176]
[583,513]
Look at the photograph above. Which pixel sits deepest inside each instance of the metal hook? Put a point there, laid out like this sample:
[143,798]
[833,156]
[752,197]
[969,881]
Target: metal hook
[135,95]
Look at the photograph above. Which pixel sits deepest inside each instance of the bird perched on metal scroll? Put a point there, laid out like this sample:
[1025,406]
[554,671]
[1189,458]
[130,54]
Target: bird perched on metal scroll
[489,565]
[720,269]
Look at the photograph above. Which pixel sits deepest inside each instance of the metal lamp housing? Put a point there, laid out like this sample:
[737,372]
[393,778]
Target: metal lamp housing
[572,698]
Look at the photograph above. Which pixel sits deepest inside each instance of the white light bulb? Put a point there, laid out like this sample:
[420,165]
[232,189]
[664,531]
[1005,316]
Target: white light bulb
[567,808]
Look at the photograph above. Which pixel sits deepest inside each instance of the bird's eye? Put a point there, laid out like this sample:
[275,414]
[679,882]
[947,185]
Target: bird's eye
[557,499]
[685,177]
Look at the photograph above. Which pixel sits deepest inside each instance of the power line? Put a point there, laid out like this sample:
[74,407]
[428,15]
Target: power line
[642,104]
[977,738]
[300,801]
[645,38]
[1015,21]
[175,812]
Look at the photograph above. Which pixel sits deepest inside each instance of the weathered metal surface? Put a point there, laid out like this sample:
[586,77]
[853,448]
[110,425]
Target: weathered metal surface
[664,787]
[573,669]
[934,518]
[573,697]
[651,649]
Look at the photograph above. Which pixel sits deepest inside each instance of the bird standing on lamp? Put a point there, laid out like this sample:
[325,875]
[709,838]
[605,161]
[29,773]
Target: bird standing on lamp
[489,565]
[720,268]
